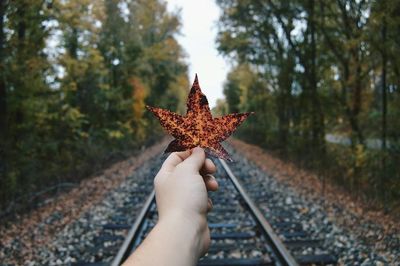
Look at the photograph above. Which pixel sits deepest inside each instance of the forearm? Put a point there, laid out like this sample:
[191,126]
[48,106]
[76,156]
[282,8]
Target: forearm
[173,241]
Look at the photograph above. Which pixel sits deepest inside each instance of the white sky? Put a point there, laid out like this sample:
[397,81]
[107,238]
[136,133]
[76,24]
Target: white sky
[198,39]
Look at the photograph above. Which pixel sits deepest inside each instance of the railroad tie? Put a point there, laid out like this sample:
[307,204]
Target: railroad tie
[116,226]
[236,262]
[233,235]
[320,259]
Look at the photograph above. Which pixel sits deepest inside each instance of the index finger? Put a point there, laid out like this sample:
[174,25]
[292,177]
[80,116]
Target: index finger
[174,159]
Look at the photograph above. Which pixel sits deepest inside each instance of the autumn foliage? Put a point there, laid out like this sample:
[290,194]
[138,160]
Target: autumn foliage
[198,127]
[75,76]
[323,77]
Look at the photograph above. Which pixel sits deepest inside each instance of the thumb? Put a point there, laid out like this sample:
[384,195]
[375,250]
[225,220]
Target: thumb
[195,161]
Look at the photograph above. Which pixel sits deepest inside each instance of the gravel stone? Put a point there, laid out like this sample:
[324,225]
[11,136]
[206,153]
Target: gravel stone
[276,198]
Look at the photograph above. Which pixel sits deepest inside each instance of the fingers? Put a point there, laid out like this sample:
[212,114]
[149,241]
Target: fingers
[195,161]
[208,168]
[209,205]
[211,183]
[174,159]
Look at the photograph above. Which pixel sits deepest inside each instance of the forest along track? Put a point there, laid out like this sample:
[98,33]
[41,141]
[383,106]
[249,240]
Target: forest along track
[240,235]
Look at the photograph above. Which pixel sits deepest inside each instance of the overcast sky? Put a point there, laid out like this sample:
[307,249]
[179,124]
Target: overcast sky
[198,39]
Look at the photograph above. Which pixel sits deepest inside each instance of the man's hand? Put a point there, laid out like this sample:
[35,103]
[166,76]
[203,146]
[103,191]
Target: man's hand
[181,235]
[181,190]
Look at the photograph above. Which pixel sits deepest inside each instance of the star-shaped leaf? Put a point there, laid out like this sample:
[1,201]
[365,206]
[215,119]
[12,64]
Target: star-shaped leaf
[198,127]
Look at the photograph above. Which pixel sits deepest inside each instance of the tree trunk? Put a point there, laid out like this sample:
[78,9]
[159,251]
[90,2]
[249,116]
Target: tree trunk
[3,92]
[384,103]
[285,80]
[357,97]
[317,118]
[384,110]
[21,56]
[3,100]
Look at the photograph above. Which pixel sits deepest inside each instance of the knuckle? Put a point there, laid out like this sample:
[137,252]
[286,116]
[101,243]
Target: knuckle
[156,181]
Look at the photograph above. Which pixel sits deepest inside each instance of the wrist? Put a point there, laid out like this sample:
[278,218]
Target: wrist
[189,231]
[194,220]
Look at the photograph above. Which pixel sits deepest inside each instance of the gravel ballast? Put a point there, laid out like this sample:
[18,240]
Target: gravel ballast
[61,237]
[61,228]
[348,235]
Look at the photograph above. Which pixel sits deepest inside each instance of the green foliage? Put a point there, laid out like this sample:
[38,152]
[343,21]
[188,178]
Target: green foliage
[309,68]
[75,77]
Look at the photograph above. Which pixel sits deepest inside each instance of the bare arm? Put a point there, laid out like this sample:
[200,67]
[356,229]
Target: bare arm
[181,235]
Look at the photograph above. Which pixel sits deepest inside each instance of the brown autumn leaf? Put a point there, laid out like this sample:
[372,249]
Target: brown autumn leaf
[198,127]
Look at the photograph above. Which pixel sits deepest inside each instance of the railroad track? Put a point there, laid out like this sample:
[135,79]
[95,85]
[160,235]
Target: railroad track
[240,234]
[111,231]
[293,222]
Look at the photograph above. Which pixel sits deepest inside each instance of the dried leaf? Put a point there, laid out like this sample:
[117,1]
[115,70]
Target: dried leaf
[198,127]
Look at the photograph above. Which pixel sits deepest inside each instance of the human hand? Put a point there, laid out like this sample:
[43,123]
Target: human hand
[181,234]
[181,192]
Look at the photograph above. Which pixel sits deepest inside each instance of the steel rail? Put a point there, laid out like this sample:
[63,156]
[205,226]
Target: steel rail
[284,256]
[123,252]
[279,248]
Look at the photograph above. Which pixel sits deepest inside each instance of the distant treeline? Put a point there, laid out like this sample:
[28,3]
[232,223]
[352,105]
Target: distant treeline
[310,68]
[74,78]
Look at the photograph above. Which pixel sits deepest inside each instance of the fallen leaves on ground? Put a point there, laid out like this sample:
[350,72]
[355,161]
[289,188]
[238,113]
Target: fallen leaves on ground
[374,227]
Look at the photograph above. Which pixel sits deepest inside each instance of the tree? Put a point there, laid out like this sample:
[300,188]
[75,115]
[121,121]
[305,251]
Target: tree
[23,89]
[3,91]
[74,79]
[327,66]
